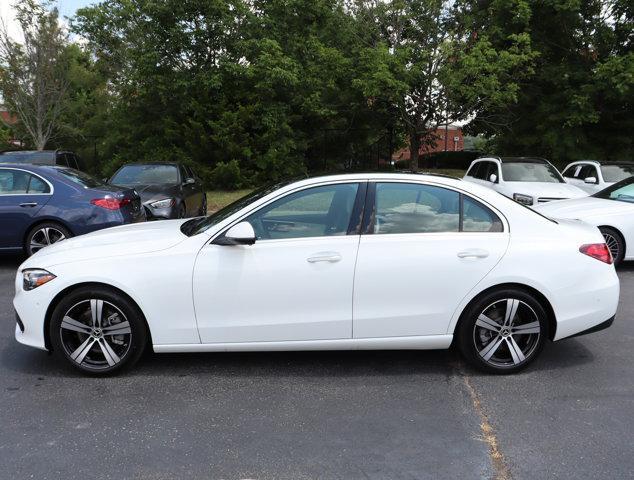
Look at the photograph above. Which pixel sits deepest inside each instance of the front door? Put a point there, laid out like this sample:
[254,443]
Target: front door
[294,283]
[420,257]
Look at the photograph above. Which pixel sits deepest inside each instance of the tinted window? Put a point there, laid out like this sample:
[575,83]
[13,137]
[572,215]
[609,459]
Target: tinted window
[473,171]
[491,169]
[587,171]
[530,172]
[478,218]
[314,212]
[570,171]
[37,185]
[616,173]
[14,182]
[411,208]
[80,178]
[146,175]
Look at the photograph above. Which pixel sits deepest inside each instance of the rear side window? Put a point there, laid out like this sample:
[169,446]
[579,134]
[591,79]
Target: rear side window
[19,182]
[414,208]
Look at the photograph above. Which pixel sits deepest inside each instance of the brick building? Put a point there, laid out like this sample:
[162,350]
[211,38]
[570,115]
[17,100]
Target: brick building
[454,143]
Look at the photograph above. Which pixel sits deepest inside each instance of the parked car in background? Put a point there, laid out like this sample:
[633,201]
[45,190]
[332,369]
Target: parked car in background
[42,205]
[611,210]
[432,260]
[529,181]
[41,157]
[168,190]
[593,176]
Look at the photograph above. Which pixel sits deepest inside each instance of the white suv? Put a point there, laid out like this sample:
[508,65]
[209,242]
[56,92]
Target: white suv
[593,176]
[529,181]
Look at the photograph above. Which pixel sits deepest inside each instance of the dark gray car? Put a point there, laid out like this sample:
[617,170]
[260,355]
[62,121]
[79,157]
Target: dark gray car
[167,190]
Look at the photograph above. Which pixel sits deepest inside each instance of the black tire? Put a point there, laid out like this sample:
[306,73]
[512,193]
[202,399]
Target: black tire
[44,234]
[515,344]
[615,243]
[126,340]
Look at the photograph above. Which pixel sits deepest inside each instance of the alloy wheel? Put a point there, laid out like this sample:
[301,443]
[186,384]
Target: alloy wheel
[95,334]
[506,333]
[612,243]
[44,237]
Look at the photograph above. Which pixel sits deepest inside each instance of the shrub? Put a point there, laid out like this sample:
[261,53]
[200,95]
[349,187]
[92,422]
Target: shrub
[226,176]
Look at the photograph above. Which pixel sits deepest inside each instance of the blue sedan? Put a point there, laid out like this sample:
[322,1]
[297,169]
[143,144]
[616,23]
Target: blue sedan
[41,205]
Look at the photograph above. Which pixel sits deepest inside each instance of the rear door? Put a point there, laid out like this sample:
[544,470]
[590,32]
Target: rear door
[424,248]
[22,195]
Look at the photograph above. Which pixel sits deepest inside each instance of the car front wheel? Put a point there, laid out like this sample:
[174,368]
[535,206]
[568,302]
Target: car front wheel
[503,332]
[99,331]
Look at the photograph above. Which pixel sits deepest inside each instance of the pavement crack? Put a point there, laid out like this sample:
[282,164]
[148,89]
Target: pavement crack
[501,469]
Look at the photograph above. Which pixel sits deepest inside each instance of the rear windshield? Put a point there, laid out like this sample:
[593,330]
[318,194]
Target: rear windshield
[616,173]
[530,172]
[80,178]
[131,175]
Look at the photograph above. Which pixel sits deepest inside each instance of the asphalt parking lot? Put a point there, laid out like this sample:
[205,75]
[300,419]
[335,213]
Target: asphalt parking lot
[343,415]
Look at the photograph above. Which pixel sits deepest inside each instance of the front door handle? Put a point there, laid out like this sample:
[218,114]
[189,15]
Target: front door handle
[473,253]
[29,204]
[330,257]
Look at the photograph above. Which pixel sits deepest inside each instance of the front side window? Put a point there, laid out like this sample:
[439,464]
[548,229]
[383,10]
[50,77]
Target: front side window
[314,212]
[19,182]
[530,172]
[132,175]
[622,191]
[616,173]
[587,171]
[413,208]
[570,171]
[473,171]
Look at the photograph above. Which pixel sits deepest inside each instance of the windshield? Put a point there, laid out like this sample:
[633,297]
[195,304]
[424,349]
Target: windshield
[45,158]
[198,225]
[616,173]
[80,178]
[130,175]
[622,191]
[530,172]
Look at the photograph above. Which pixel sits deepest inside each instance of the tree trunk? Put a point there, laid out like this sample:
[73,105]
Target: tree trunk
[414,147]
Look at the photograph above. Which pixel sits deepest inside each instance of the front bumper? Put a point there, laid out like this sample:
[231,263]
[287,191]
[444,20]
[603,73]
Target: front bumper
[30,311]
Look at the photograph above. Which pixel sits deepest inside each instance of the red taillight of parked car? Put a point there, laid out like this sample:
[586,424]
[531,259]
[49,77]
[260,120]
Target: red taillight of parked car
[600,251]
[111,203]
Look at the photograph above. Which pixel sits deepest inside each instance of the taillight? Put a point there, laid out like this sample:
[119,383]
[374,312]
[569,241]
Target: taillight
[110,203]
[600,251]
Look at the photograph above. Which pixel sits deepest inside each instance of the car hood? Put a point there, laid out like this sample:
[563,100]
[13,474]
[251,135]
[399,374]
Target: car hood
[545,189]
[153,192]
[582,208]
[131,239]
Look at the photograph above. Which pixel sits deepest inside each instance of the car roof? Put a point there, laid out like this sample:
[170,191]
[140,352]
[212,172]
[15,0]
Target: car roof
[604,162]
[172,164]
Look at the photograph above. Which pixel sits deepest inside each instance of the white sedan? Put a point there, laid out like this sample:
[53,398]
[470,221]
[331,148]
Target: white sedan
[374,261]
[611,210]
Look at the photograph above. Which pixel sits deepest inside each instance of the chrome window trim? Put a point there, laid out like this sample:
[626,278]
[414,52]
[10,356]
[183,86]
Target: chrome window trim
[50,185]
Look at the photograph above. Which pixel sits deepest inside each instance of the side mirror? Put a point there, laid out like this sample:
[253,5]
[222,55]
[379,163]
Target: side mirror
[240,234]
[189,181]
[493,178]
[590,180]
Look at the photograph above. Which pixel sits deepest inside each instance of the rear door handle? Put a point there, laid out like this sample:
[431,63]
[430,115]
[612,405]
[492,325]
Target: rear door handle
[330,257]
[474,253]
[29,204]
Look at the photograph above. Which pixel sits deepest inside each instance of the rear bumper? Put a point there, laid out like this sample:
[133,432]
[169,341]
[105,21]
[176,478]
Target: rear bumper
[597,328]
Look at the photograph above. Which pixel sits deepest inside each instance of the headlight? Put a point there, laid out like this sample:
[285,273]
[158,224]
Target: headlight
[523,199]
[168,202]
[35,277]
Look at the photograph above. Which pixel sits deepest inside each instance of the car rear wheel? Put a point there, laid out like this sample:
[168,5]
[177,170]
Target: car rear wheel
[503,332]
[615,243]
[98,330]
[43,235]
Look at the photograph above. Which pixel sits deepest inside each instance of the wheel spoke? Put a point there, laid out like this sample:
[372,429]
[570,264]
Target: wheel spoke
[488,351]
[516,351]
[118,329]
[96,310]
[81,351]
[511,309]
[71,324]
[47,237]
[486,322]
[111,357]
[527,328]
